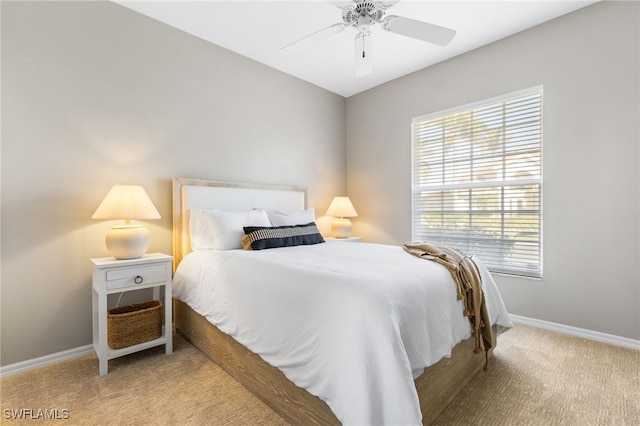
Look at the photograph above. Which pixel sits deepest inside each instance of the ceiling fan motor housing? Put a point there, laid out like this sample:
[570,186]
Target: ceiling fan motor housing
[361,15]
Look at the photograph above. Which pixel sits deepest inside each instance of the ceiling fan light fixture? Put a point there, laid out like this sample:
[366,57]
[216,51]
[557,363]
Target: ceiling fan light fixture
[363,25]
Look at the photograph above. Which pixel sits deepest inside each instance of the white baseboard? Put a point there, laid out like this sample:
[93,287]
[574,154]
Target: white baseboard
[20,367]
[42,361]
[578,332]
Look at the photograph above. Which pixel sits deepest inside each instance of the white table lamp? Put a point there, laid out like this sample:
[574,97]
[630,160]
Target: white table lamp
[131,240]
[341,209]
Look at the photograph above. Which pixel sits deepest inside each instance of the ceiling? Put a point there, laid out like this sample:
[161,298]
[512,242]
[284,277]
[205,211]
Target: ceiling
[257,29]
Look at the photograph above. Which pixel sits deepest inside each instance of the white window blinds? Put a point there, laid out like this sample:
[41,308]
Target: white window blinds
[477,181]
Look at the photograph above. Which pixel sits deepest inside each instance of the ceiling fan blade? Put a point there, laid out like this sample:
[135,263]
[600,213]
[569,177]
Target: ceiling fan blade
[311,39]
[419,30]
[363,60]
[388,3]
[341,3]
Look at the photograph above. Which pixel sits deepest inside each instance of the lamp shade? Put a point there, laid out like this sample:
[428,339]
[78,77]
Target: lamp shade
[128,241]
[126,202]
[341,207]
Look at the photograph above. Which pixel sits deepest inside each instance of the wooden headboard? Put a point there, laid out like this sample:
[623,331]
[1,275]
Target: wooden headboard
[203,194]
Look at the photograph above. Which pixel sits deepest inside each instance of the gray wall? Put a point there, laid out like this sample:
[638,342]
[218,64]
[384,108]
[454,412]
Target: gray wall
[588,62]
[94,94]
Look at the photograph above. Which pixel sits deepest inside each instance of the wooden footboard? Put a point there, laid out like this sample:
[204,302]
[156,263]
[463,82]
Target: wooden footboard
[268,383]
[437,386]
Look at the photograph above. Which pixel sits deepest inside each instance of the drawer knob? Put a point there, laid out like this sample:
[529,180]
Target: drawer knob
[138,279]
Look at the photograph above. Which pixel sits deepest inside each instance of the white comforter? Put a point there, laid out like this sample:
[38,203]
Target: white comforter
[354,324]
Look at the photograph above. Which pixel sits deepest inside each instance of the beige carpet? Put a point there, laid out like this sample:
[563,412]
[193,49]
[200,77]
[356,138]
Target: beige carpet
[536,378]
[542,378]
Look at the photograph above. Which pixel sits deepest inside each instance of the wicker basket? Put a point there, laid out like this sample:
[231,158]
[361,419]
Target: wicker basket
[133,324]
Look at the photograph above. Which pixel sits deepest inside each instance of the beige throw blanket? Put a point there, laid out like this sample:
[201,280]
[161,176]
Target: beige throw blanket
[466,275]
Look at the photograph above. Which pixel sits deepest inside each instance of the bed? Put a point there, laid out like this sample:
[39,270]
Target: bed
[317,350]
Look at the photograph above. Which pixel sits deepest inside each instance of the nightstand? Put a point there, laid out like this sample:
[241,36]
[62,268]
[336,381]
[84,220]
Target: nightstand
[346,240]
[115,276]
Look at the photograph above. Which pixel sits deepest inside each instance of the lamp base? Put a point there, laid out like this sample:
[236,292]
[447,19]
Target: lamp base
[127,241]
[341,228]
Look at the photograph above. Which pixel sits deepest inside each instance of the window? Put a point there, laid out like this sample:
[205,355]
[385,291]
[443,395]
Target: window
[477,181]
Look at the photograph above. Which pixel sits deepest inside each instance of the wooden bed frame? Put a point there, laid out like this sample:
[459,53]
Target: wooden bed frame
[437,386]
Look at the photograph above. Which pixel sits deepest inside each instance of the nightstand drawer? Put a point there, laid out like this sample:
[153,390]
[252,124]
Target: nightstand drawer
[141,275]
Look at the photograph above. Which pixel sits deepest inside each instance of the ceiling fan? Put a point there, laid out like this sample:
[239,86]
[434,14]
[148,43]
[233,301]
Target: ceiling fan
[362,15]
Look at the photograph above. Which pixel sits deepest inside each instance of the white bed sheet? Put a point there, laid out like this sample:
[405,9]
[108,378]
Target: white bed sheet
[354,324]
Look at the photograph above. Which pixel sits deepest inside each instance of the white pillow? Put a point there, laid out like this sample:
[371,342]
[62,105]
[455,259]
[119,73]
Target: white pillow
[201,237]
[291,217]
[222,230]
